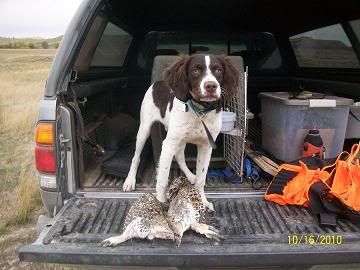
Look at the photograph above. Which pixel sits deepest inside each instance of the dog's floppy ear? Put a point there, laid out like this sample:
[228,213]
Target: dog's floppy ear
[176,78]
[231,79]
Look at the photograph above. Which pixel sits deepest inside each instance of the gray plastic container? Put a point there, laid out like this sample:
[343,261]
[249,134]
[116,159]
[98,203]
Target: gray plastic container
[285,123]
[353,126]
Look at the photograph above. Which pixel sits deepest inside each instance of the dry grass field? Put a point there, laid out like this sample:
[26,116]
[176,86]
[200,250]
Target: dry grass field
[22,78]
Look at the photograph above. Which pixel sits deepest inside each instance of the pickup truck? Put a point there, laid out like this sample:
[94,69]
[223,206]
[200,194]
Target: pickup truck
[90,111]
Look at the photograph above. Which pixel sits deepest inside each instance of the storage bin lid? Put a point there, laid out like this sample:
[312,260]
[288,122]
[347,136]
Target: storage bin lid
[327,101]
[355,107]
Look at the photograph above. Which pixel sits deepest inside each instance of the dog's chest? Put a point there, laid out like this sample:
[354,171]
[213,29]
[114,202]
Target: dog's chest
[187,126]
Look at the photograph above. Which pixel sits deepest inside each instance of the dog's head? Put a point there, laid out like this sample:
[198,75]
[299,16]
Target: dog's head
[206,78]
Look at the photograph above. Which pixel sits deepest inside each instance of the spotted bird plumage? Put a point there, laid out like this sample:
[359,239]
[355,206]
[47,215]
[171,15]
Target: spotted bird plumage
[187,211]
[145,219]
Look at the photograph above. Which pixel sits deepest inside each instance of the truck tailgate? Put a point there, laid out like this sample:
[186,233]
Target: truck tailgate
[255,232]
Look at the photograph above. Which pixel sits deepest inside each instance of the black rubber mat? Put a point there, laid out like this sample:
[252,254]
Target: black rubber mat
[119,164]
[89,220]
[147,182]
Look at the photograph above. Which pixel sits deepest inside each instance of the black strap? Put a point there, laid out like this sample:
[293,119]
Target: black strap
[279,182]
[353,115]
[211,139]
[81,131]
[326,218]
[78,115]
[208,134]
[343,211]
[328,210]
[200,113]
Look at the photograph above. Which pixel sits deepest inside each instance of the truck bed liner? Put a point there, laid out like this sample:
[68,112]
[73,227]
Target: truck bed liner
[147,183]
[254,231]
[96,180]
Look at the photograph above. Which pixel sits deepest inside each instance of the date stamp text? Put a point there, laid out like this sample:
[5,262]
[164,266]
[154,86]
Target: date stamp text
[314,239]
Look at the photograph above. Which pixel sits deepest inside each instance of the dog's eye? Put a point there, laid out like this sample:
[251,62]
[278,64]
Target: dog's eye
[196,71]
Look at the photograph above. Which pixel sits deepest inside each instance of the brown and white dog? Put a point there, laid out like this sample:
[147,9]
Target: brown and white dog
[204,80]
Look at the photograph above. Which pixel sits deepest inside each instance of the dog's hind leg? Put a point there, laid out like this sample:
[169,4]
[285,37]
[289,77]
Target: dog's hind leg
[180,158]
[142,135]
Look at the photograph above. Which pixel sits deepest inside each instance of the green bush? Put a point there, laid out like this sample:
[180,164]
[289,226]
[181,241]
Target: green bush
[44,45]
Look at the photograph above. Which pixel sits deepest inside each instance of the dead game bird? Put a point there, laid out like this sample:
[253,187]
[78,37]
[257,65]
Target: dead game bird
[186,211]
[145,219]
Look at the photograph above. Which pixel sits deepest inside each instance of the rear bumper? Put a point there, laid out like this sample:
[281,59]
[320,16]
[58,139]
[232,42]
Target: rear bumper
[186,256]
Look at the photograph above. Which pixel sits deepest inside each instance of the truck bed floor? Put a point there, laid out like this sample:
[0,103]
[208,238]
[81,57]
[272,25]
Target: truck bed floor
[254,231]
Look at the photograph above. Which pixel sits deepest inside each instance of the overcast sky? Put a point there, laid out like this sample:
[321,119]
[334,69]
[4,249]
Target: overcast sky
[36,18]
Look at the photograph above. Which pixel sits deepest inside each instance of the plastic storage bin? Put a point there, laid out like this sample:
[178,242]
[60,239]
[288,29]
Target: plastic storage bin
[353,126]
[285,123]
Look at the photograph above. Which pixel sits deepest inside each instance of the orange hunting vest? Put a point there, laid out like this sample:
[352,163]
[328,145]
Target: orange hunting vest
[292,183]
[345,185]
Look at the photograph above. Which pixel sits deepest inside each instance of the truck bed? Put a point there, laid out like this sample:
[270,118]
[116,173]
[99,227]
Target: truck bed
[255,232]
[97,181]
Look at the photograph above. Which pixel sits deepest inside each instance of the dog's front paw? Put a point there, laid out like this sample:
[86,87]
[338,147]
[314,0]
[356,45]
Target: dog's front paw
[191,177]
[161,195]
[129,184]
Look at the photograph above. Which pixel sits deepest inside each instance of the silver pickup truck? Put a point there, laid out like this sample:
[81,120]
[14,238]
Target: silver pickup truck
[107,59]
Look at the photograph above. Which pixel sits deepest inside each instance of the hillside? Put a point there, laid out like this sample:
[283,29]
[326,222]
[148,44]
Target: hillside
[323,53]
[30,43]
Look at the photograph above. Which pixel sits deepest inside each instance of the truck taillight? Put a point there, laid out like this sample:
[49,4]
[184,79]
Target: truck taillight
[45,158]
[44,134]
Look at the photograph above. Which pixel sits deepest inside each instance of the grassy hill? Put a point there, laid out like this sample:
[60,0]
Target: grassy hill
[30,43]
[323,53]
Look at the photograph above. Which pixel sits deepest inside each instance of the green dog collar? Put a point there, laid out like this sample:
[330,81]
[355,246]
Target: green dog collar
[198,108]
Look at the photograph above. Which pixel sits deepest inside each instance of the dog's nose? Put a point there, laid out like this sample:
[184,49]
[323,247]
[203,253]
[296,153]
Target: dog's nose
[210,86]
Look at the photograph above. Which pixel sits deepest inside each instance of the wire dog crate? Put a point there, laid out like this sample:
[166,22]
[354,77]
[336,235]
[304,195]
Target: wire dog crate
[234,141]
